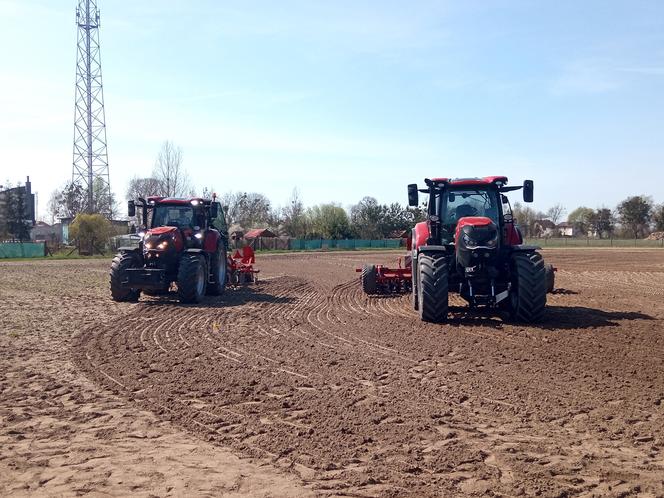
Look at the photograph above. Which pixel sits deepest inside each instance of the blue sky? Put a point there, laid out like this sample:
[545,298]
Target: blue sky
[349,98]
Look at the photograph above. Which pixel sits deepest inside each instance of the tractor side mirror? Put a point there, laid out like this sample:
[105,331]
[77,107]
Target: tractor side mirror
[131,209]
[413,195]
[528,188]
[214,210]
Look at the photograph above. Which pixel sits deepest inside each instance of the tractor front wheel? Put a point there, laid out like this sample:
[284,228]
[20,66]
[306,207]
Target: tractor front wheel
[528,294]
[192,278]
[432,287]
[369,279]
[218,271]
[122,262]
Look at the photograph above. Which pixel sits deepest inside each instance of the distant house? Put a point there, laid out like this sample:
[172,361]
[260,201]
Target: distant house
[43,232]
[259,232]
[566,229]
[544,228]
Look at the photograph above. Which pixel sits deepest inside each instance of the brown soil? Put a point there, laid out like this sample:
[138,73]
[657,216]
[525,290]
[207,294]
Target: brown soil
[351,395]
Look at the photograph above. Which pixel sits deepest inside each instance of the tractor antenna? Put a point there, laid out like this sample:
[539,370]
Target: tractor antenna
[90,162]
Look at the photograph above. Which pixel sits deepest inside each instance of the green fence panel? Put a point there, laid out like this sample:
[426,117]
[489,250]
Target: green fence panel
[588,242]
[346,244]
[312,244]
[296,244]
[17,250]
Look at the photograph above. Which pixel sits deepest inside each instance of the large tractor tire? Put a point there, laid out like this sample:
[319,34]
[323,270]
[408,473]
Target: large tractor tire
[550,278]
[432,287]
[192,278]
[369,279]
[121,262]
[218,271]
[528,294]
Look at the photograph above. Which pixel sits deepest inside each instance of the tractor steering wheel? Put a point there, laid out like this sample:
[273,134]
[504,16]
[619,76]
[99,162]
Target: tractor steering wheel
[463,211]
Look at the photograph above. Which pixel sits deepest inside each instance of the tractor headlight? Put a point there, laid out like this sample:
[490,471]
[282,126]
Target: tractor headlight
[492,242]
[162,245]
[467,240]
[199,235]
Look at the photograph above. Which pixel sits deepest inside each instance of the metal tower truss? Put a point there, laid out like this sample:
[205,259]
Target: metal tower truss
[90,162]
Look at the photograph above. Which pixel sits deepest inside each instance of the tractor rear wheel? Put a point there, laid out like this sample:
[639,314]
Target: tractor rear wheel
[122,262]
[218,271]
[550,277]
[528,294]
[369,279]
[432,287]
[192,278]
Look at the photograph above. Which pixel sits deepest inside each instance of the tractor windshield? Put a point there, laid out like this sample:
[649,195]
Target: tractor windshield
[173,216]
[459,203]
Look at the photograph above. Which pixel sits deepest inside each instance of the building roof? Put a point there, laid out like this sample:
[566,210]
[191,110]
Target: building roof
[546,224]
[259,232]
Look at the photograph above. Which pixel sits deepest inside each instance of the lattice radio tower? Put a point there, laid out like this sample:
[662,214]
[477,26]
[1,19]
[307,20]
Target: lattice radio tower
[90,163]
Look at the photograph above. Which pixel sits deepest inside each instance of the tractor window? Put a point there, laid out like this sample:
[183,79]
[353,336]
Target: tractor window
[457,204]
[173,216]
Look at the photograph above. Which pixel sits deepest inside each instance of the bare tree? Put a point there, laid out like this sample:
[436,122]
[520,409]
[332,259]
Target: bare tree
[168,170]
[143,187]
[556,213]
[294,216]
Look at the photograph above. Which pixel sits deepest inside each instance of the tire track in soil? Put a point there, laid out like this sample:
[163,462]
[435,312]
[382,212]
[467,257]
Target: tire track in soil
[358,397]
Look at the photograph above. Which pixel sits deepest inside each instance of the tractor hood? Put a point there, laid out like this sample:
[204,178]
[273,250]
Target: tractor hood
[471,221]
[160,231]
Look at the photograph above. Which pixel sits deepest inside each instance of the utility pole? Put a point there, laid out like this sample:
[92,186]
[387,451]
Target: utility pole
[90,161]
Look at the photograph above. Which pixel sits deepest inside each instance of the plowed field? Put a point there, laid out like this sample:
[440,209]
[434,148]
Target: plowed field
[339,393]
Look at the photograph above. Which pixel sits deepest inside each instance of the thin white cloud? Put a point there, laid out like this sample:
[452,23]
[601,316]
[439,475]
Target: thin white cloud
[586,76]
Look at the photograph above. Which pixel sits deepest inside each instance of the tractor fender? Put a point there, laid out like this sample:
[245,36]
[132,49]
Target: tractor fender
[420,235]
[431,249]
[211,241]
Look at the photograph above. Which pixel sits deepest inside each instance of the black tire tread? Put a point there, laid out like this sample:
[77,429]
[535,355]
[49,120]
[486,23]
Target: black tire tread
[215,288]
[433,287]
[120,263]
[369,281]
[550,277]
[531,287]
[187,272]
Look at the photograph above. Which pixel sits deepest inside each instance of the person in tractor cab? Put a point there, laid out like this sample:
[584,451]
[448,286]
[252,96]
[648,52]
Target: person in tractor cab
[465,210]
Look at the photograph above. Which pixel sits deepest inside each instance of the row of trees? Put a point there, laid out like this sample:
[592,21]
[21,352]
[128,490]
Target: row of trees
[634,217]
[367,219]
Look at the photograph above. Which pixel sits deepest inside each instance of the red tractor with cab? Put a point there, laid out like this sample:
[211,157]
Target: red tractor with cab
[179,244]
[470,244]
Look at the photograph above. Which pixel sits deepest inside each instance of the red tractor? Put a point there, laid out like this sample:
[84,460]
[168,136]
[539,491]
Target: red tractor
[470,244]
[179,244]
